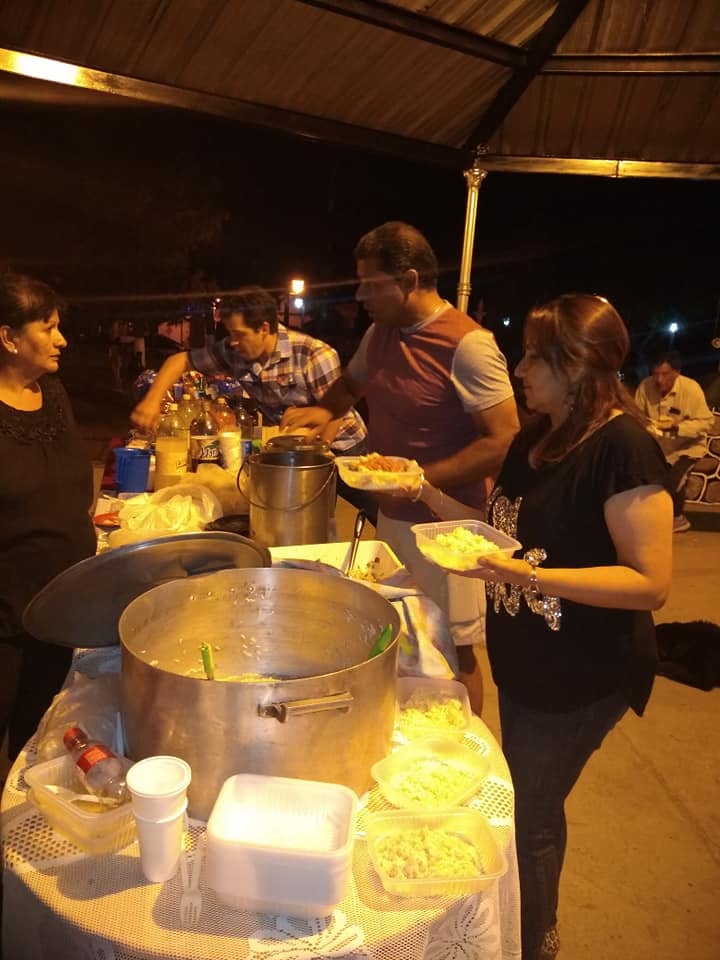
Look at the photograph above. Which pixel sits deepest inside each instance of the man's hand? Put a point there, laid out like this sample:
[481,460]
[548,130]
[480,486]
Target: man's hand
[313,419]
[145,415]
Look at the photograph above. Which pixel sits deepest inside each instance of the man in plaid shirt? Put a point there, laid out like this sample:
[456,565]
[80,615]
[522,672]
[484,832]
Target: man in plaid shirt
[278,368]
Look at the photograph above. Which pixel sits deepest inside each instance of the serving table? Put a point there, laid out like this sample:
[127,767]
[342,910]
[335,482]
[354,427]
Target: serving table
[62,903]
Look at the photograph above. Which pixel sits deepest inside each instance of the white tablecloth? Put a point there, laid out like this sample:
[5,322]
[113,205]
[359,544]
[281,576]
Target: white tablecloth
[61,903]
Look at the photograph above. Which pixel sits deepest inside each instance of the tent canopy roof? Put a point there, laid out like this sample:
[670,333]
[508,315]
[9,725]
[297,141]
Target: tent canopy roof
[617,87]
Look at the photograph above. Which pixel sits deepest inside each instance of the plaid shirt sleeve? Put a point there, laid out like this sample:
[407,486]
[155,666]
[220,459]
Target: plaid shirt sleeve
[322,369]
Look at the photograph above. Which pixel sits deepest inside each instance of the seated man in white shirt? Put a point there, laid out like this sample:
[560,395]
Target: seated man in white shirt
[680,417]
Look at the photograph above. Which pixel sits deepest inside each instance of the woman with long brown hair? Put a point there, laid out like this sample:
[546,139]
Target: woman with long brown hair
[570,635]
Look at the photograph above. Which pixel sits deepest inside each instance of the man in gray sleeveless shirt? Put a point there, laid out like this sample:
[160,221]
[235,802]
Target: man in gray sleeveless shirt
[438,391]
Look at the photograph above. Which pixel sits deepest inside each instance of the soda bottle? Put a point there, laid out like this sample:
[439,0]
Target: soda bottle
[204,440]
[188,409]
[99,770]
[222,415]
[171,448]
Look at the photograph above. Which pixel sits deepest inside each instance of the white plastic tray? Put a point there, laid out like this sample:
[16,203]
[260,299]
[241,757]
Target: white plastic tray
[378,481]
[280,845]
[374,558]
[426,535]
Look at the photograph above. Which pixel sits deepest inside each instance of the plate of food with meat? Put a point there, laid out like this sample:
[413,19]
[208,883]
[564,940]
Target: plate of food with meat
[380,473]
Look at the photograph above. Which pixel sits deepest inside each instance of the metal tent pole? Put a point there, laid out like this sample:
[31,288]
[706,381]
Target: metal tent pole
[474,177]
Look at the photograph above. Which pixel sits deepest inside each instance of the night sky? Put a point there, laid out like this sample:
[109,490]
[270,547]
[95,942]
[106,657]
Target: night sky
[129,200]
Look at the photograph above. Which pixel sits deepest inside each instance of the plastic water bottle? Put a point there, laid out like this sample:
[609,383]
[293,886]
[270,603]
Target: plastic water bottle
[99,770]
[171,448]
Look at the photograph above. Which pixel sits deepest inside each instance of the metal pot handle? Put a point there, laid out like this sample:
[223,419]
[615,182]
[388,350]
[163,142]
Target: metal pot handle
[284,711]
[299,506]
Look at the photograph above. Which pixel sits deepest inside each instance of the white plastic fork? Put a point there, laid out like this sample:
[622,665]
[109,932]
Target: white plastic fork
[191,900]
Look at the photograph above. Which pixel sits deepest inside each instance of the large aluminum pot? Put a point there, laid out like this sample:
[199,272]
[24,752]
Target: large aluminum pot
[325,713]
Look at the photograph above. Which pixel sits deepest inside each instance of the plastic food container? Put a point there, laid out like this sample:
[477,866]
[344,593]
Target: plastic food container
[92,832]
[435,773]
[374,560]
[426,535]
[420,712]
[279,845]
[396,838]
[378,481]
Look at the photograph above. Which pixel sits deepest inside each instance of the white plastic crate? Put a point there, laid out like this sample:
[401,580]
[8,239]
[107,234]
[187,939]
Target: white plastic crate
[406,832]
[281,845]
[93,832]
[426,535]
[434,773]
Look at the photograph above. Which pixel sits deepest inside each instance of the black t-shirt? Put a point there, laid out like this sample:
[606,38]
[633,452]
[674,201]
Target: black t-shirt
[560,507]
[45,496]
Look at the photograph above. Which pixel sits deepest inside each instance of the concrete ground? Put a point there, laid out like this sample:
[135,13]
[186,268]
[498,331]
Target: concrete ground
[642,871]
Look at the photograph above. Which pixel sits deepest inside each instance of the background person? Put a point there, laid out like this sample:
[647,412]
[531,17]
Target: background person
[277,367]
[681,419]
[45,497]
[570,635]
[437,391]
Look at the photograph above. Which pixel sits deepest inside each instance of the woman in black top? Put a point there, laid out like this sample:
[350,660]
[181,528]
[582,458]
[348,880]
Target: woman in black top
[570,636]
[45,497]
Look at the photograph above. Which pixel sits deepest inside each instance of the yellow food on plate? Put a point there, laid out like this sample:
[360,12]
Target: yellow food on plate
[424,710]
[462,541]
[419,854]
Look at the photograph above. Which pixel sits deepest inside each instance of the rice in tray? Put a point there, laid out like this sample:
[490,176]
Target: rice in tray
[422,709]
[425,852]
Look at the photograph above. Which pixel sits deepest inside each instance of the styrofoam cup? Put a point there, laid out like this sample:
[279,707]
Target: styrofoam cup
[158,786]
[161,843]
[231,450]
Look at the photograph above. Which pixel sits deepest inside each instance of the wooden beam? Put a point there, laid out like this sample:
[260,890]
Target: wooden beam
[626,64]
[391,17]
[243,111]
[542,46]
[596,167]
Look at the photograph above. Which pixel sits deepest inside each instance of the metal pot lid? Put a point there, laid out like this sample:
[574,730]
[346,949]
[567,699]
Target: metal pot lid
[82,605]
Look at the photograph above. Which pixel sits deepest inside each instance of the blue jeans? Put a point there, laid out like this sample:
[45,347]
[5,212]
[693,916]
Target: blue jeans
[546,753]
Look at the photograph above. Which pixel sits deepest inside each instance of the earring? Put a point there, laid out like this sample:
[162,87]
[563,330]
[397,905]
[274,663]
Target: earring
[570,399]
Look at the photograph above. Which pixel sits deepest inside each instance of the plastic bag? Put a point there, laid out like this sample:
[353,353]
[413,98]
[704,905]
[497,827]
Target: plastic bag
[223,483]
[92,703]
[180,508]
